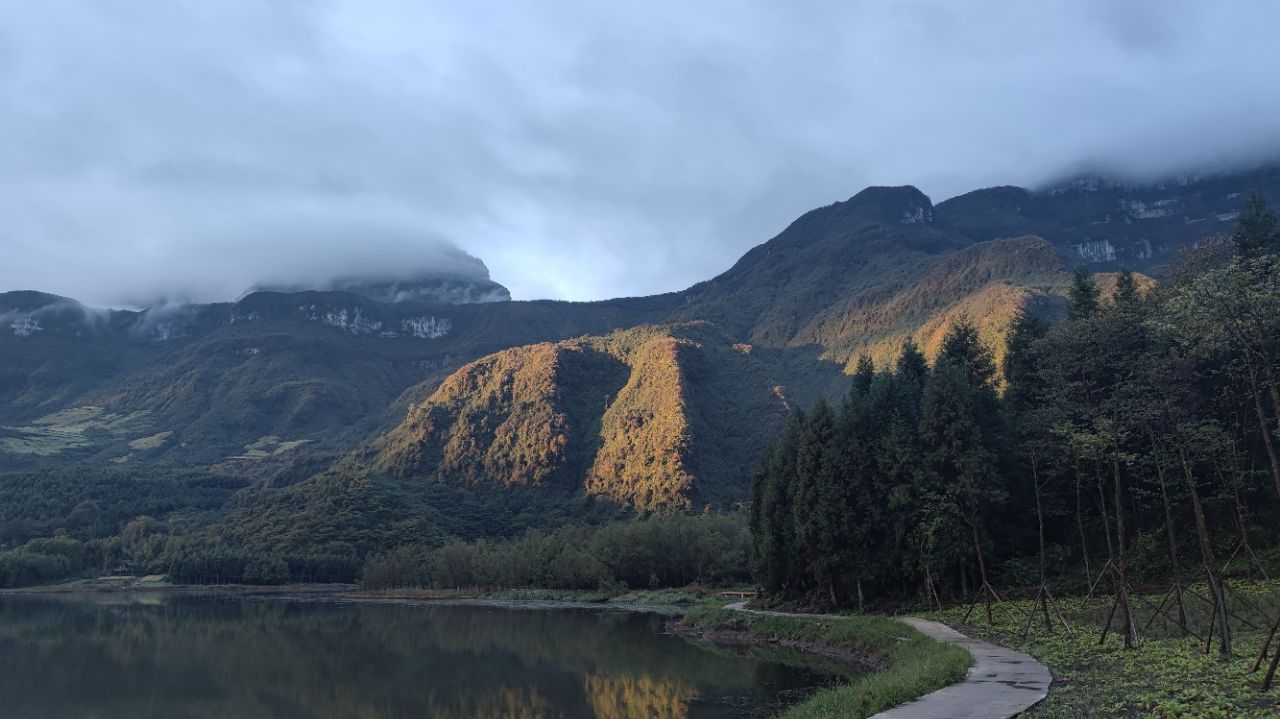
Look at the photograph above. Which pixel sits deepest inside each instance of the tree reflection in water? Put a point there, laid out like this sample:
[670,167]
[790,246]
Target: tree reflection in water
[244,657]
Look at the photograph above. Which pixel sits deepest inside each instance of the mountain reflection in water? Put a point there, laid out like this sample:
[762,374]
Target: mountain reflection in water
[249,658]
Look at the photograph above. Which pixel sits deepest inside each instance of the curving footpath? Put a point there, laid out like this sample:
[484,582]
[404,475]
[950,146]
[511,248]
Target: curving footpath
[1001,683]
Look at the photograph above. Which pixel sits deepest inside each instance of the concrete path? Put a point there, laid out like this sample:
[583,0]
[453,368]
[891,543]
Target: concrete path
[1001,683]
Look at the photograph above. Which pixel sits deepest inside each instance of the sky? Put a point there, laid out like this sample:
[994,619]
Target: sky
[187,150]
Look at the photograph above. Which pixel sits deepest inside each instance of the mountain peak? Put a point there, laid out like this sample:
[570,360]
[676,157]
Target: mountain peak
[904,204]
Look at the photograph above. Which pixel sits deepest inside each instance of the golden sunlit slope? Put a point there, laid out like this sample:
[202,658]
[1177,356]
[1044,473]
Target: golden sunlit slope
[653,417]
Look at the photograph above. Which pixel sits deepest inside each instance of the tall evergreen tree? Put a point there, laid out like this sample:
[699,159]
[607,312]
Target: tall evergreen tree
[1030,418]
[962,347]
[863,375]
[1024,385]
[813,477]
[959,460]
[1126,290]
[911,364]
[1083,296]
[774,544]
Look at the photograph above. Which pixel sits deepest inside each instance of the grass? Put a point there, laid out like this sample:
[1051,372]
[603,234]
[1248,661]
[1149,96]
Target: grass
[68,429]
[152,442]
[268,446]
[549,595]
[914,664]
[666,596]
[1166,676]
[76,427]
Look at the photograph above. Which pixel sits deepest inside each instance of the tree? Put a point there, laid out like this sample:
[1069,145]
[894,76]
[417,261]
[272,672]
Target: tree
[1031,418]
[911,364]
[961,347]
[817,523]
[773,545]
[863,375]
[1126,290]
[1257,230]
[959,462]
[1230,315]
[1083,296]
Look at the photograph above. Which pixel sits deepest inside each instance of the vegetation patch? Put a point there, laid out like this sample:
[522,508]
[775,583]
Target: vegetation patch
[67,430]
[548,595]
[1164,676]
[152,442]
[910,664]
[269,446]
[664,596]
[664,551]
[41,442]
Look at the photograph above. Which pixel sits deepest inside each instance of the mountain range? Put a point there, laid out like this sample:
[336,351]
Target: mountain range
[393,385]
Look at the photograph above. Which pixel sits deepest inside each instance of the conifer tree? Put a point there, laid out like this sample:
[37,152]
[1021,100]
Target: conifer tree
[891,431]
[1126,290]
[911,364]
[1083,296]
[863,375]
[774,544]
[962,347]
[814,480]
[958,457]
[1030,419]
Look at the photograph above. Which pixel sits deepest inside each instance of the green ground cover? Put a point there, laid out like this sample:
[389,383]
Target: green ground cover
[914,664]
[1167,675]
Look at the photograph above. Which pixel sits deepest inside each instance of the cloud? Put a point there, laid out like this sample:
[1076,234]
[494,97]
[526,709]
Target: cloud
[582,150]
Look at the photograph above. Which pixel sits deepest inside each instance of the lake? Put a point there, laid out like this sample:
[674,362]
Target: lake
[245,657]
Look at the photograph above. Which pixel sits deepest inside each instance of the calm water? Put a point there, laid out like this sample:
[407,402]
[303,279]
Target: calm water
[246,657]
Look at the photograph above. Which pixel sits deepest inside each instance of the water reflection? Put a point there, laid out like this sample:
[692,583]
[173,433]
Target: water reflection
[201,657]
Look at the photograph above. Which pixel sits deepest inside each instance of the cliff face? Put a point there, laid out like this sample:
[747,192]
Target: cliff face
[1107,224]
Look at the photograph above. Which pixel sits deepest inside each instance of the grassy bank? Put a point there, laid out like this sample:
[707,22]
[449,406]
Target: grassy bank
[913,664]
[657,597]
[1166,676]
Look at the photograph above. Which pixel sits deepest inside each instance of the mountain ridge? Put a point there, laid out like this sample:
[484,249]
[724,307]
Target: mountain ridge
[348,381]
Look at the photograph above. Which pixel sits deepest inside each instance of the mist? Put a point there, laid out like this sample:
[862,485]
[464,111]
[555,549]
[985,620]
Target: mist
[190,150]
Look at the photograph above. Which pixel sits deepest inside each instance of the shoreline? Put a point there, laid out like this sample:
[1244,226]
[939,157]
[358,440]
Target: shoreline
[124,588]
[341,593]
[739,639]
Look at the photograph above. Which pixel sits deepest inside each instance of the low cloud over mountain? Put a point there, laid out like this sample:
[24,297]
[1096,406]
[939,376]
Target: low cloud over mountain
[583,150]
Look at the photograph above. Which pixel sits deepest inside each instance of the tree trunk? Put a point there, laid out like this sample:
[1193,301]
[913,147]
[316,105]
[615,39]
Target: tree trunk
[1035,480]
[982,565]
[1084,544]
[1102,507]
[1262,422]
[1206,553]
[1273,388]
[1174,562]
[1044,581]
[1241,525]
[1130,629]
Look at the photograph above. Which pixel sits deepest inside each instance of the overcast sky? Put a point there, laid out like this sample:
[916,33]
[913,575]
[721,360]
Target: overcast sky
[582,149]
